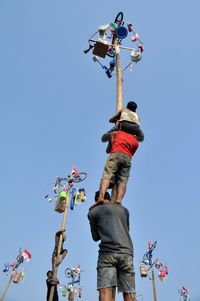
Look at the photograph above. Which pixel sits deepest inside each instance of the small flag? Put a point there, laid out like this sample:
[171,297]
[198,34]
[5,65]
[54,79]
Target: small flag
[135,37]
[27,256]
[77,270]
[75,171]
[162,275]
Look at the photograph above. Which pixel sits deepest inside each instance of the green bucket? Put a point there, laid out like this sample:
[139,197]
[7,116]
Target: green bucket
[62,195]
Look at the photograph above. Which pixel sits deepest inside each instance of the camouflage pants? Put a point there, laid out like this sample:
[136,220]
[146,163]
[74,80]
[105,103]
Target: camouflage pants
[116,270]
[118,167]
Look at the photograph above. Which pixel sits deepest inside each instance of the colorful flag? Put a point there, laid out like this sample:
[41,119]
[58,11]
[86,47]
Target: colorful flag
[75,171]
[27,256]
[135,37]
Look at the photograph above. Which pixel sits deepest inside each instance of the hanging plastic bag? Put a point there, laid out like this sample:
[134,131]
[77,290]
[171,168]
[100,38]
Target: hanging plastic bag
[143,271]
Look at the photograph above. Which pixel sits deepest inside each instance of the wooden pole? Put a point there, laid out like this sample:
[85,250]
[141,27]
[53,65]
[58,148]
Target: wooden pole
[154,285]
[60,244]
[7,287]
[119,99]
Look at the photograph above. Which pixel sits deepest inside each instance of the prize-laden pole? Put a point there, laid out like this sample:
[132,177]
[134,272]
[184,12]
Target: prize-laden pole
[154,285]
[119,99]
[60,243]
[7,287]
[119,106]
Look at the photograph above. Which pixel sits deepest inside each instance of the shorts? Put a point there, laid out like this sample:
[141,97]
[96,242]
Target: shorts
[117,167]
[116,270]
[132,128]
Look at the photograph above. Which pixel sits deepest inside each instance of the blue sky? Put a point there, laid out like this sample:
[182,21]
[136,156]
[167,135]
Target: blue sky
[55,105]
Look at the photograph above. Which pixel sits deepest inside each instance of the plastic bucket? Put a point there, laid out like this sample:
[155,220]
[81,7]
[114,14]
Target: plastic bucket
[63,195]
[121,32]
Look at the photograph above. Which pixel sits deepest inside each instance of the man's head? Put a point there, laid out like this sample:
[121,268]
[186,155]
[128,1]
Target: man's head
[106,197]
[49,274]
[132,106]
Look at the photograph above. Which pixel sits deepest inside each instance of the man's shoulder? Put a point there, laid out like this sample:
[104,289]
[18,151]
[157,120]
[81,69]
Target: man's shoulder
[122,208]
[96,211]
[114,207]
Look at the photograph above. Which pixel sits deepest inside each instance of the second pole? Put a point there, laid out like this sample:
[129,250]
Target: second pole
[60,244]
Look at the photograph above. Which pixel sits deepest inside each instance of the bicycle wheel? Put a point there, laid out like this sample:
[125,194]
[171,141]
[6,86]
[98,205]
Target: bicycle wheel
[119,18]
[79,178]
[68,273]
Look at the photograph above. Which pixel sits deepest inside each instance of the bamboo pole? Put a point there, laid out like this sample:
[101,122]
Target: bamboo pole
[154,285]
[60,244]
[119,99]
[7,287]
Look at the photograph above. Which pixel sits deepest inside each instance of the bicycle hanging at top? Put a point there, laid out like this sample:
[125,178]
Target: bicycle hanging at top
[110,35]
[64,186]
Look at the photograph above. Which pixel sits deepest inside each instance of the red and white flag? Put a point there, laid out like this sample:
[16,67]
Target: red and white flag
[27,255]
[135,37]
[75,171]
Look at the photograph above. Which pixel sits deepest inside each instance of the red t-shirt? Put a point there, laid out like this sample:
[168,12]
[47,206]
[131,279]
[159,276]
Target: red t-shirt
[124,143]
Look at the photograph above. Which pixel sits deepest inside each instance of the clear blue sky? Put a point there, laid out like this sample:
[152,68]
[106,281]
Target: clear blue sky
[55,105]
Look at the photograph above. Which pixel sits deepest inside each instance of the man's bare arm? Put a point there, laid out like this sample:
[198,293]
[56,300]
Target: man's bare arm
[93,228]
[116,117]
[107,136]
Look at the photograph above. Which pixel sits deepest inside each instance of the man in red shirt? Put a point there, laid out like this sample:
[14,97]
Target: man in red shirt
[122,148]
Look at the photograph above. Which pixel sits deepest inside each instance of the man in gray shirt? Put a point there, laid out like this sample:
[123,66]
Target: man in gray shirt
[109,223]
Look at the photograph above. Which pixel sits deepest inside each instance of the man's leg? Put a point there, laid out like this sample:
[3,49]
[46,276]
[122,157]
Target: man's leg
[122,176]
[103,188]
[132,128]
[110,169]
[106,276]
[126,277]
[121,190]
[62,256]
[107,294]
[129,297]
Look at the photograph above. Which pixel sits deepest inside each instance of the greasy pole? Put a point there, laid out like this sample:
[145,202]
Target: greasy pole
[7,287]
[119,99]
[60,244]
[154,285]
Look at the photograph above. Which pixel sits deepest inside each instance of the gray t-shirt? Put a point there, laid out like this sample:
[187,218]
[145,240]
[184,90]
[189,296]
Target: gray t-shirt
[110,224]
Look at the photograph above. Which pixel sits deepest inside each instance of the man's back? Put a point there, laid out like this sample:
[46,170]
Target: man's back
[128,115]
[124,143]
[111,221]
